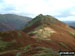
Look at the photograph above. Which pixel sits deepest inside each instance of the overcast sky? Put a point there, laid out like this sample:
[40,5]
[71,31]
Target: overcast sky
[61,9]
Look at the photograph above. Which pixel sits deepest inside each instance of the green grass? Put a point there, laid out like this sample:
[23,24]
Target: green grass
[63,44]
[46,52]
[72,33]
[42,52]
[19,33]
[23,48]
[3,45]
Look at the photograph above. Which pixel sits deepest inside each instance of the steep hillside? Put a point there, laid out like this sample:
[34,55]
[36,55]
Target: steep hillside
[46,21]
[45,27]
[14,20]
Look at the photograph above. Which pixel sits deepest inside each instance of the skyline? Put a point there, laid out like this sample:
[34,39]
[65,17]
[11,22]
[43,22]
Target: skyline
[63,10]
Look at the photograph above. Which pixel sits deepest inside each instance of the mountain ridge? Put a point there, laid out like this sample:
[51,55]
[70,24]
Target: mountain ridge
[14,20]
[6,27]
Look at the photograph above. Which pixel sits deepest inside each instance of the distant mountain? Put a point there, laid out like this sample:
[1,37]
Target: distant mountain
[14,20]
[72,27]
[6,27]
[71,23]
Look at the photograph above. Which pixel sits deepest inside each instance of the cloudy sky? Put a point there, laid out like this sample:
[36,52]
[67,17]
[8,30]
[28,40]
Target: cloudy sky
[61,9]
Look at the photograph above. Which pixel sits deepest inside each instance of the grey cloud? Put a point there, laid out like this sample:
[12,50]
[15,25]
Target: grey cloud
[66,13]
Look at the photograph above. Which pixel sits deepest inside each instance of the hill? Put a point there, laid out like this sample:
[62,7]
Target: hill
[14,20]
[48,28]
[42,36]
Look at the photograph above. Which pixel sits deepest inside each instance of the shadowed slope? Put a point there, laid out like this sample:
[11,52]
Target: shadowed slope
[14,20]
[6,27]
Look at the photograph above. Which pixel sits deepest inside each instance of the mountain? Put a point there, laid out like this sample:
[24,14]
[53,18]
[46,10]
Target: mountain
[6,27]
[47,20]
[14,20]
[70,23]
[72,27]
[44,35]
[48,28]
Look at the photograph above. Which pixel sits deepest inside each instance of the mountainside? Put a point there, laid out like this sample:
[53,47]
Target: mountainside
[48,28]
[47,20]
[14,20]
[18,43]
[6,27]
[42,36]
